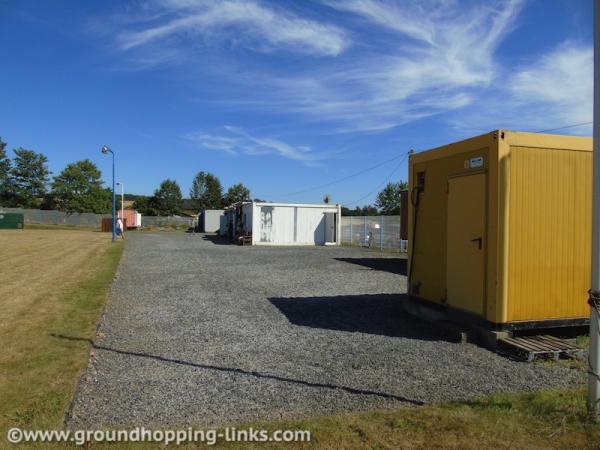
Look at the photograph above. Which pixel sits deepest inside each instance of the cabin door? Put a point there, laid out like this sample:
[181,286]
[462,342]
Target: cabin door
[466,244]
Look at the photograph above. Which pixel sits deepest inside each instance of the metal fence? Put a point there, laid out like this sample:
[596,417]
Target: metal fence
[380,232]
[50,217]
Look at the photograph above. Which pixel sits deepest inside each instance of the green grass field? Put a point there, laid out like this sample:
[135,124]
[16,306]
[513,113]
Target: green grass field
[543,420]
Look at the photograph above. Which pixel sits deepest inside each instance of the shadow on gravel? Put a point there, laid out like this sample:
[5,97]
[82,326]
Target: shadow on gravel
[241,371]
[216,239]
[380,314]
[393,265]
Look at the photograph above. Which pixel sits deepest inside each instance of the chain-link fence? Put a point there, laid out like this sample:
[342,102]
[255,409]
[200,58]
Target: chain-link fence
[167,221]
[379,232]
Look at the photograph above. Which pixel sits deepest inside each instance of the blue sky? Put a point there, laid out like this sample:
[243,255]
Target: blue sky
[285,95]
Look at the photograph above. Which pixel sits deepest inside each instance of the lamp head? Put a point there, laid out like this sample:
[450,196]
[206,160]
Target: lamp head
[105,149]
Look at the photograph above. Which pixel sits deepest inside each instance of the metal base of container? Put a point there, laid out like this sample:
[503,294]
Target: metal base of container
[439,311]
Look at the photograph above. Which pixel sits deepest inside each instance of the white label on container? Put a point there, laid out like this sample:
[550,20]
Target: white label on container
[476,162]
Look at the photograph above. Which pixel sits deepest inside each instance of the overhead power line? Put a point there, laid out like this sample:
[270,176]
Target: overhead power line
[339,180]
[566,126]
[385,181]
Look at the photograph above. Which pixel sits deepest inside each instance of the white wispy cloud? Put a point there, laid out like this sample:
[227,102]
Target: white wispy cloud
[208,141]
[551,91]
[559,86]
[437,55]
[249,23]
[395,62]
[235,141]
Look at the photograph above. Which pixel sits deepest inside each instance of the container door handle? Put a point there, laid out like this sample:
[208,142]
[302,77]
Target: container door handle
[479,242]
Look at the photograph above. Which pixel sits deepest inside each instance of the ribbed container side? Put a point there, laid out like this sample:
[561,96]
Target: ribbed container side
[549,233]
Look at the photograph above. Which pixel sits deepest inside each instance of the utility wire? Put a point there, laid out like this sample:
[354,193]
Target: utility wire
[567,126]
[381,184]
[339,180]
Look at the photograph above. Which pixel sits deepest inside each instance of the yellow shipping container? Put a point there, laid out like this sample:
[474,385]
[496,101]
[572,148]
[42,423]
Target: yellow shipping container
[500,229]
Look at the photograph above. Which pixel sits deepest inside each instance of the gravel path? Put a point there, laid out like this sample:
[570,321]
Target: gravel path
[197,332]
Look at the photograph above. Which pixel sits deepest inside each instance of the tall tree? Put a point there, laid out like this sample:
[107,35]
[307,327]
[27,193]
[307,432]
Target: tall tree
[5,177]
[388,200]
[206,191]
[168,198]
[30,176]
[236,193]
[78,188]
[145,205]
[367,210]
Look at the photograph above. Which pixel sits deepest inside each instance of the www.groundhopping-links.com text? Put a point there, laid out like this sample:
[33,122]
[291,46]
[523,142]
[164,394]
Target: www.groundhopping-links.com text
[141,434]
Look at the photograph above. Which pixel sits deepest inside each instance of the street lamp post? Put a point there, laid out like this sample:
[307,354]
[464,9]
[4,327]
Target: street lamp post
[105,150]
[593,397]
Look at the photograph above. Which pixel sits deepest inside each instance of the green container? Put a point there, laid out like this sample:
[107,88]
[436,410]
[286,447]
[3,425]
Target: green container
[11,221]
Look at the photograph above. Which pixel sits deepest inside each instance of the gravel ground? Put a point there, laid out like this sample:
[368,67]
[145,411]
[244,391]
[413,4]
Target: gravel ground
[200,333]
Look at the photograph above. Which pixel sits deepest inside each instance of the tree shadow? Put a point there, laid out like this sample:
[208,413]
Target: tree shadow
[392,265]
[241,371]
[380,314]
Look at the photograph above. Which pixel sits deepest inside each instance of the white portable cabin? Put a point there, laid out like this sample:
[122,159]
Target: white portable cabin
[211,220]
[286,223]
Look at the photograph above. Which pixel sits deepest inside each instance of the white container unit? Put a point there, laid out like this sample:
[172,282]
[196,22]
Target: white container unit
[211,220]
[289,224]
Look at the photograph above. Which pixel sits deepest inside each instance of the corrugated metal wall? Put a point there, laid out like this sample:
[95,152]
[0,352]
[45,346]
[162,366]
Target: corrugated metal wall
[549,233]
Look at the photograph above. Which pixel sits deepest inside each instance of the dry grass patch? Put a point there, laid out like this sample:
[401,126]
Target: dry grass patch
[51,283]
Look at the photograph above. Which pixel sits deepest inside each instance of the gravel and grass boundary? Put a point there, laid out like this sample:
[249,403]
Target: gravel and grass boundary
[197,332]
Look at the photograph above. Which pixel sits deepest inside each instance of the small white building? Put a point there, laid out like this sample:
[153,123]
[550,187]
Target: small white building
[262,223]
[211,220]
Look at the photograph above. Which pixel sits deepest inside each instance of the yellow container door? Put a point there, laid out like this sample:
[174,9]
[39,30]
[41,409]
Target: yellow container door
[465,268]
